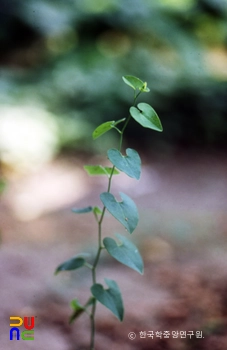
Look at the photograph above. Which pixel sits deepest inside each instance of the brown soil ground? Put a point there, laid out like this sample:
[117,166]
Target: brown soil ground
[182,236]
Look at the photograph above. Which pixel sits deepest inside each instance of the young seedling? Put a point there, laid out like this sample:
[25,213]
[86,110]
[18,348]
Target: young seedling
[125,211]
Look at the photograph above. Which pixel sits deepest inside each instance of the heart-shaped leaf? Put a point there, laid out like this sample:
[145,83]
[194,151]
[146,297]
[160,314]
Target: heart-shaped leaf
[135,83]
[110,298]
[125,212]
[129,164]
[146,116]
[72,264]
[96,170]
[126,252]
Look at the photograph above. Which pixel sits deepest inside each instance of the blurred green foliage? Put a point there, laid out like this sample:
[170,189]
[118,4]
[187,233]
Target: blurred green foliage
[2,186]
[67,57]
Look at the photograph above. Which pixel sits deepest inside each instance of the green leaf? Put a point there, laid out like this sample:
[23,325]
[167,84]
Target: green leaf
[78,309]
[126,252]
[146,116]
[82,210]
[135,83]
[110,298]
[129,164]
[104,127]
[125,212]
[96,170]
[97,210]
[72,264]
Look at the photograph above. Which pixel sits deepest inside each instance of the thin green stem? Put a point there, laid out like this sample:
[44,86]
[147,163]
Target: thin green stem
[88,265]
[127,120]
[92,318]
[96,261]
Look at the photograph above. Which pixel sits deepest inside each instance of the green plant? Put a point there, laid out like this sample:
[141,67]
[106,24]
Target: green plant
[124,211]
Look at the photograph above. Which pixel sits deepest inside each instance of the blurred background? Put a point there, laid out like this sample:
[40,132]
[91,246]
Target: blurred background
[61,68]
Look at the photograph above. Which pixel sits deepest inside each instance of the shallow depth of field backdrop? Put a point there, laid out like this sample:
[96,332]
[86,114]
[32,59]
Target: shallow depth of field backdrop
[61,65]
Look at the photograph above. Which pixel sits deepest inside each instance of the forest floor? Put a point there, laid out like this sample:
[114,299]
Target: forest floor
[182,236]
